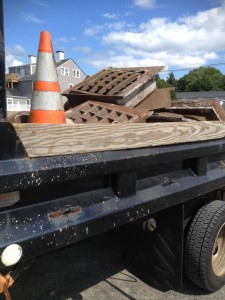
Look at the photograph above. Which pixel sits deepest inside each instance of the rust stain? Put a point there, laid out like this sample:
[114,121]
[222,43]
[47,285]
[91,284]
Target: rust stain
[169,182]
[105,113]
[65,211]
[112,84]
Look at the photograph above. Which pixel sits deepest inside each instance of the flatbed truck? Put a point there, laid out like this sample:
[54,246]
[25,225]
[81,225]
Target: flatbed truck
[167,202]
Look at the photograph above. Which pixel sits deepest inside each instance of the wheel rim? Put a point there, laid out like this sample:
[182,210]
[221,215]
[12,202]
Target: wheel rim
[218,254]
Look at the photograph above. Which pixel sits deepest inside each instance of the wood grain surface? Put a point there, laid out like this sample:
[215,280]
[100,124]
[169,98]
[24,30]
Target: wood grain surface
[49,139]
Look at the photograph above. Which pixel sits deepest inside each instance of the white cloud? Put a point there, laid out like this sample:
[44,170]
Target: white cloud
[211,55]
[64,39]
[186,42]
[121,61]
[19,51]
[32,19]
[110,16]
[82,49]
[97,29]
[145,3]
[13,57]
[41,3]
[11,61]
[92,31]
[155,59]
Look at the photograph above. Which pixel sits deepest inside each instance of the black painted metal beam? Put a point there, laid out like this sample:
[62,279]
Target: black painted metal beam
[2,67]
[44,227]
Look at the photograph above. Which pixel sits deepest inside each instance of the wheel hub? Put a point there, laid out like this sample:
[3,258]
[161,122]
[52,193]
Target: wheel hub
[218,253]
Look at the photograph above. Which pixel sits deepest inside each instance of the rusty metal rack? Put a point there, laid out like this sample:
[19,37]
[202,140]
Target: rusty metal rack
[193,113]
[114,85]
[98,112]
[202,104]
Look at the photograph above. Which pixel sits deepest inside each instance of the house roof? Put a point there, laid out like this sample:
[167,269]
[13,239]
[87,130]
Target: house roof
[199,95]
[61,62]
[27,77]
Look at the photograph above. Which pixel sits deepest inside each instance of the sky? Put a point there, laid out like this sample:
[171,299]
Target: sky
[98,34]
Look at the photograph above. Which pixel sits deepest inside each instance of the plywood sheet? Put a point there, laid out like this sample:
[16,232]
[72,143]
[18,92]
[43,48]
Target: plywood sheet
[48,140]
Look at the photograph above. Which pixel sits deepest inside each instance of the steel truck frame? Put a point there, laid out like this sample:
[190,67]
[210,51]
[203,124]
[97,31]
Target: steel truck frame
[68,198]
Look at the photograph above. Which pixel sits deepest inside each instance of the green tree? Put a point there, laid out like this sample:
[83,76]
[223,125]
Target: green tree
[202,79]
[161,83]
[171,80]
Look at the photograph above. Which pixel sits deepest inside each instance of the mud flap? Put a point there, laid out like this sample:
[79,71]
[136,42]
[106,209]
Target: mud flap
[153,248]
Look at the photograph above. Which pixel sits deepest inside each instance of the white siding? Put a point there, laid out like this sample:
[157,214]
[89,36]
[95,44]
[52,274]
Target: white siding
[14,104]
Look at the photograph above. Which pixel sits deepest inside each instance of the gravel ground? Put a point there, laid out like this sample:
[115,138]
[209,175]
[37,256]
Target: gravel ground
[93,270]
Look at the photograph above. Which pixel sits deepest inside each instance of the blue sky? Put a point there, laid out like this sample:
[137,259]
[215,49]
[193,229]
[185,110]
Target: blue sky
[119,33]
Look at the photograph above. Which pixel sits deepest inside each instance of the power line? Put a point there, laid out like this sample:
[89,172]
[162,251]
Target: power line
[186,69]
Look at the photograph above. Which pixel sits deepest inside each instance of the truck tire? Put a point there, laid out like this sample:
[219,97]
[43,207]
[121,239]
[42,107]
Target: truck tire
[204,253]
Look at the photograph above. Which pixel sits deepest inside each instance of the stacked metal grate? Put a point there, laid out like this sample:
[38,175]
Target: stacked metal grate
[98,112]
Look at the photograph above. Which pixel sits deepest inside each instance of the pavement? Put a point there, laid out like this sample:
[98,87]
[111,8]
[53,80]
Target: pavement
[93,270]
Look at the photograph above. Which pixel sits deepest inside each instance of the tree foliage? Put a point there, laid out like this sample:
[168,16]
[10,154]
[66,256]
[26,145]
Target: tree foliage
[202,79]
[169,82]
[160,83]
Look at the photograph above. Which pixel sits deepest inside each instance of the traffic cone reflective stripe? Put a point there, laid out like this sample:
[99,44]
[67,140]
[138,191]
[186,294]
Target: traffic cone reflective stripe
[46,86]
[48,116]
[46,106]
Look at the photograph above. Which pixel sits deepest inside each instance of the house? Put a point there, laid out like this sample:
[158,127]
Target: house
[69,74]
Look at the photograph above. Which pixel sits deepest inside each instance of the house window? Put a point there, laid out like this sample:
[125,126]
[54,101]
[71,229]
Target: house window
[70,85]
[28,104]
[65,71]
[76,73]
[27,72]
[9,104]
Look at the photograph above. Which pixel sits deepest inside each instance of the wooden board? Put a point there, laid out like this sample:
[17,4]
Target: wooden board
[47,140]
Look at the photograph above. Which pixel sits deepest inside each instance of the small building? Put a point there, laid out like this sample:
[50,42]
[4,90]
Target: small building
[69,74]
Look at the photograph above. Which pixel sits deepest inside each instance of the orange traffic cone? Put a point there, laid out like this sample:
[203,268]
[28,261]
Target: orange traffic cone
[46,105]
